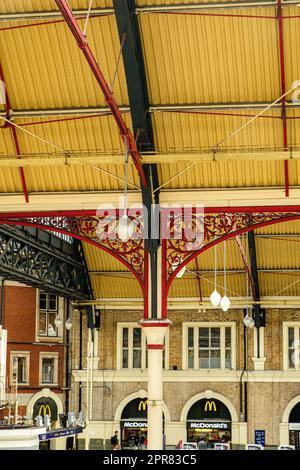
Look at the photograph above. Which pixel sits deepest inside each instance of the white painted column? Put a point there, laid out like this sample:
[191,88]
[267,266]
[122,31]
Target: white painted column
[155,331]
[3,348]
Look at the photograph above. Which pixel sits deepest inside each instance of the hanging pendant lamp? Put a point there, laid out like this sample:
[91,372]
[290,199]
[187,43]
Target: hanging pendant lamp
[225,302]
[215,296]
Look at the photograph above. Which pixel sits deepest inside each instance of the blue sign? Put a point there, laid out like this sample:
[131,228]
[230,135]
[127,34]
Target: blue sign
[260,437]
[60,433]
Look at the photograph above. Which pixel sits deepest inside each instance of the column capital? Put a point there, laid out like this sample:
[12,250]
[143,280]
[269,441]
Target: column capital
[155,331]
[155,323]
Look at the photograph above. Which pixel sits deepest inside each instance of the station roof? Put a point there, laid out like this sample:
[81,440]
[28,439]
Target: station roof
[210,67]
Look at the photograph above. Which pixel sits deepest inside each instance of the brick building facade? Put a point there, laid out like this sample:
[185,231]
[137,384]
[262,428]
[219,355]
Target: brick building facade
[258,388]
[36,351]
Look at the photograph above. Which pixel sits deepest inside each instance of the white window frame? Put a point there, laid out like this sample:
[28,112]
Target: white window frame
[197,325]
[61,313]
[26,355]
[286,325]
[47,355]
[131,326]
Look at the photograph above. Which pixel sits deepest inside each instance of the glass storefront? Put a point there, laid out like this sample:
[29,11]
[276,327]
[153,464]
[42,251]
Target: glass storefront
[208,422]
[134,425]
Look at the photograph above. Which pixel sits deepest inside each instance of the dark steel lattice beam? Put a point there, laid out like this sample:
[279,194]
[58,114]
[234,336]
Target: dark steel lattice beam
[42,260]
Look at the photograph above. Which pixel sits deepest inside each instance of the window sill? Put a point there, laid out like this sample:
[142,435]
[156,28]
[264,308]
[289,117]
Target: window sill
[49,339]
[48,385]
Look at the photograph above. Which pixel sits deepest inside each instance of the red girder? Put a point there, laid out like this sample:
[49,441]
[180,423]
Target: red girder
[14,135]
[246,264]
[126,134]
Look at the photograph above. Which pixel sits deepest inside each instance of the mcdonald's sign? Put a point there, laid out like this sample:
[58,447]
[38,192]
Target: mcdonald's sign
[210,405]
[143,405]
[44,410]
[45,406]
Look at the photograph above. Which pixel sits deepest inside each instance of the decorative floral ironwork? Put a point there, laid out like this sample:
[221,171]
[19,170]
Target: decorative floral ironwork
[215,227]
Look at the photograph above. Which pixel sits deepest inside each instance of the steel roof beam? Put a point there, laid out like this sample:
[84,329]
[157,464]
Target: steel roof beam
[213,6]
[111,158]
[104,110]
[49,15]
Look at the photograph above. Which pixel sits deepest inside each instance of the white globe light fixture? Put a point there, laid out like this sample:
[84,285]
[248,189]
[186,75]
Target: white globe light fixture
[68,324]
[125,228]
[215,298]
[57,321]
[247,320]
[251,323]
[225,303]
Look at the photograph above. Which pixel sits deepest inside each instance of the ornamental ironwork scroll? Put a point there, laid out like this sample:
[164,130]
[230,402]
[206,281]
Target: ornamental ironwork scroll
[187,239]
[101,231]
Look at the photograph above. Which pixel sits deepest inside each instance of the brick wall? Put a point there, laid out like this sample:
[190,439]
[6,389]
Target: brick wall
[19,320]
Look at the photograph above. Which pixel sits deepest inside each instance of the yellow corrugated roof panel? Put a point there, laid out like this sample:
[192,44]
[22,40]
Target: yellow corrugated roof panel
[115,288]
[279,284]
[98,260]
[97,133]
[44,67]
[202,59]
[283,228]
[223,174]
[189,287]
[274,253]
[195,131]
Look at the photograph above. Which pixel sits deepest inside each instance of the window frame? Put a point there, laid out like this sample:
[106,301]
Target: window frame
[47,355]
[26,355]
[131,326]
[60,312]
[195,326]
[296,326]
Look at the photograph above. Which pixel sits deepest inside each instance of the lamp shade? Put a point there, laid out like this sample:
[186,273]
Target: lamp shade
[57,321]
[215,298]
[68,324]
[225,303]
[251,323]
[125,228]
[247,320]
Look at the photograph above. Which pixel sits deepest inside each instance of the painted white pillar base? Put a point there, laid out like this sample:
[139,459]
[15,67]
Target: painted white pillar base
[259,363]
[239,432]
[175,431]
[155,331]
[284,438]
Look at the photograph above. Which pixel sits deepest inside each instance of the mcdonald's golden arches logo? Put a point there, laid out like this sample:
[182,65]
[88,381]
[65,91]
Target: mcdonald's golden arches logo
[143,405]
[44,410]
[210,406]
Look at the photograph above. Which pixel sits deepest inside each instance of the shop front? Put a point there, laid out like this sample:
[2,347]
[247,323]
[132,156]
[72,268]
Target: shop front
[45,406]
[294,426]
[209,421]
[134,424]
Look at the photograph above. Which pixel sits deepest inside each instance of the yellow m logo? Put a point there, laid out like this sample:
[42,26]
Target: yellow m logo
[143,405]
[210,406]
[44,410]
